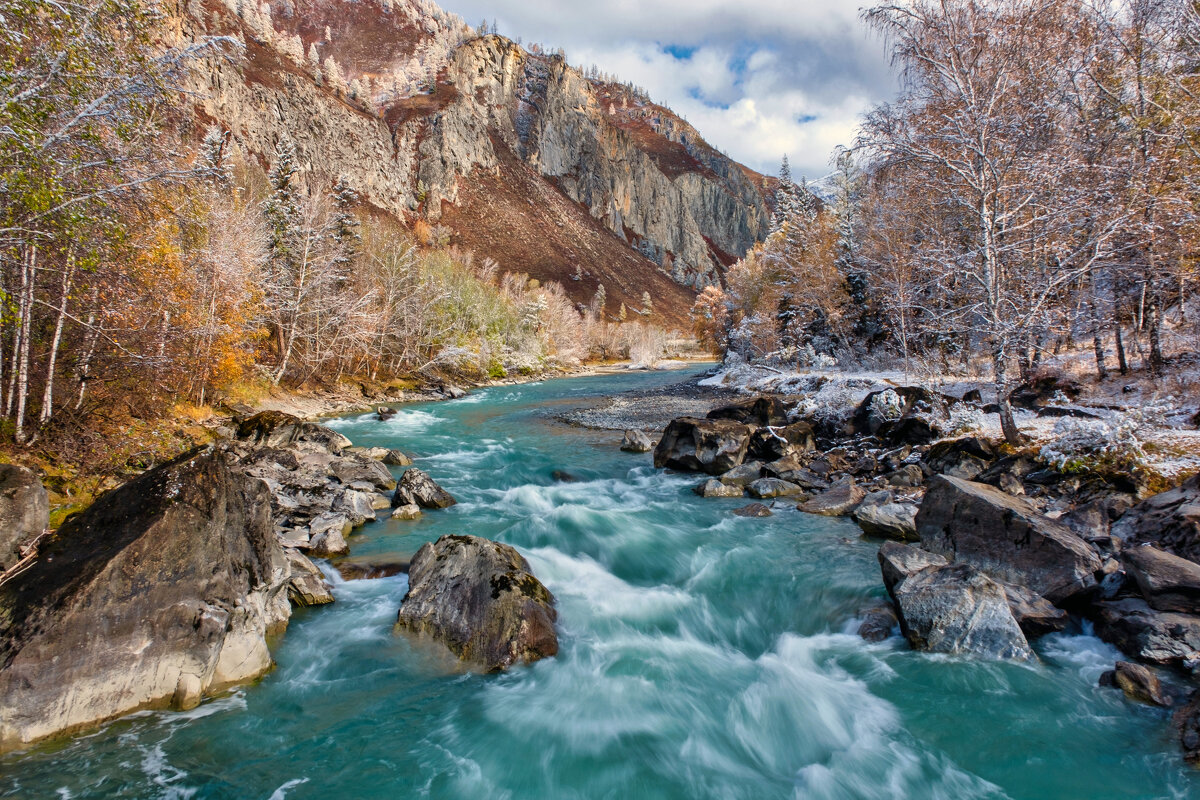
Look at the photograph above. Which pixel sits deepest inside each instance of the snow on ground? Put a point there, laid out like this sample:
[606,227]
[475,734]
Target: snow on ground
[1172,446]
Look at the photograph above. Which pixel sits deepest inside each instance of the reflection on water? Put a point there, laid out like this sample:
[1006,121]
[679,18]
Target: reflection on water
[702,655]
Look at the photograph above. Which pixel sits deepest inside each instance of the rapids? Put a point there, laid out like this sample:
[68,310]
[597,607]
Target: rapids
[702,656]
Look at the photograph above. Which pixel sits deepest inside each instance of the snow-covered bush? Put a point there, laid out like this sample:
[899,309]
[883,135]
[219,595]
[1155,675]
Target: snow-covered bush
[831,407]
[1083,444]
[887,405]
[964,419]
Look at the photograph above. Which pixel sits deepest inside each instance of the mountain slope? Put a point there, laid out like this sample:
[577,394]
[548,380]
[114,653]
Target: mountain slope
[427,120]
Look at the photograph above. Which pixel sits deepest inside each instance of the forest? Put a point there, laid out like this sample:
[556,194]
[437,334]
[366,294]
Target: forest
[1032,190]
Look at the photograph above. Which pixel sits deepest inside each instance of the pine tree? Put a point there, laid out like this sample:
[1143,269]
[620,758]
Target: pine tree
[282,208]
[345,225]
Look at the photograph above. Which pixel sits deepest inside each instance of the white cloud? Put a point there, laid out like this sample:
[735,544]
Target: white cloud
[758,79]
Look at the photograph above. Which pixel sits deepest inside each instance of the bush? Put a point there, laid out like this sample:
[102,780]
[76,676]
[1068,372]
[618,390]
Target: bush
[964,419]
[1086,445]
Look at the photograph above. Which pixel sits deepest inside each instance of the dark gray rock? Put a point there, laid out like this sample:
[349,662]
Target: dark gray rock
[909,475]
[963,458]
[1138,683]
[880,515]
[1187,724]
[792,471]
[163,589]
[1006,538]
[1158,637]
[957,609]
[753,510]
[714,446]
[878,622]
[24,512]
[774,443]
[837,501]
[1170,520]
[636,441]
[1036,615]
[417,488]
[479,599]
[759,412]
[1168,582]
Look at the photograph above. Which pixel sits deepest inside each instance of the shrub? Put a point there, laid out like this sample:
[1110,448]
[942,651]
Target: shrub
[964,419]
[1084,445]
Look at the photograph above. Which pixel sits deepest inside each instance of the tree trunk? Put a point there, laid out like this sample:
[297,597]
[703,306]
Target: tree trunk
[89,350]
[1008,424]
[48,393]
[1154,323]
[1122,363]
[1097,332]
[28,274]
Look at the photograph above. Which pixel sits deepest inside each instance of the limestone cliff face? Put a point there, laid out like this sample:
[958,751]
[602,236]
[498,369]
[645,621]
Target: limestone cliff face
[638,171]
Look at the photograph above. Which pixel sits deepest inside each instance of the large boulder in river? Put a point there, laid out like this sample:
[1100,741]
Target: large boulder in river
[837,501]
[636,441]
[1006,538]
[417,488]
[1170,520]
[1159,637]
[307,585]
[957,609]
[772,443]
[479,599]
[163,589]
[24,511]
[760,411]
[714,446]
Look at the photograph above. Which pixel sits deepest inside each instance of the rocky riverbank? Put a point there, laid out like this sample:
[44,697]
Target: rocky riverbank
[169,589]
[989,546]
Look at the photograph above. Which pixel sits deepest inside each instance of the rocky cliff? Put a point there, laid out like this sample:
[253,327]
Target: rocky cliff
[502,146]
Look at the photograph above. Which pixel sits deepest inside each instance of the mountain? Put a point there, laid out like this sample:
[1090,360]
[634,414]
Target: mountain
[515,154]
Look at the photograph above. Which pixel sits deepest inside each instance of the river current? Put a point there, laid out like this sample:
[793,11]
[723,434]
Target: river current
[703,655]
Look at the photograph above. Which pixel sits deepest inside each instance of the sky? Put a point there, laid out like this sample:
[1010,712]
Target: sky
[758,79]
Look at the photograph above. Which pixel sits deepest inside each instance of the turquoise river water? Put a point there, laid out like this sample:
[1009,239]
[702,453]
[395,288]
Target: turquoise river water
[703,655]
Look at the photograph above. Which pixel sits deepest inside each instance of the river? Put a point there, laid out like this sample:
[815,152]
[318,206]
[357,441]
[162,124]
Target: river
[703,655]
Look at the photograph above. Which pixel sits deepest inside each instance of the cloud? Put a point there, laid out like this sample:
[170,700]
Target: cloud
[758,79]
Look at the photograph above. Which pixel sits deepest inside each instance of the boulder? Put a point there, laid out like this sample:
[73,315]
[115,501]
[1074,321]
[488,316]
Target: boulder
[837,501]
[1168,582]
[790,470]
[329,543]
[899,561]
[910,429]
[370,569]
[714,488]
[753,510]
[357,507]
[636,441]
[409,512]
[878,622]
[880,515]
[773,443]
[395,458]
[743,475]
[383,413]
[1170,520]
[373,453]
[1187,723]
[562,476]
[362,470]
[714,446]
[1158,637]
[1006,538]
[957,609]
[965,458]
[24,512]
[759,412]
[765,488]
[909,475]
[172,580]
[417,488]
[479,599]
[1036,615]
[914,399]
[307,585]
[1138,683]
[1038,391]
